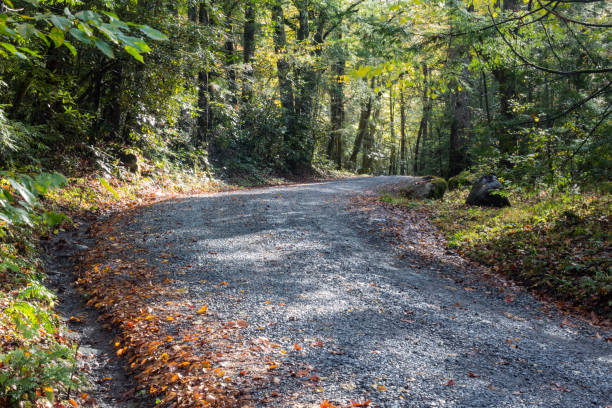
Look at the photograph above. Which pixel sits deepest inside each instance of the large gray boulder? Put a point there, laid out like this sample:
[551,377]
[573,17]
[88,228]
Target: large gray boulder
[425,187]
[483,193]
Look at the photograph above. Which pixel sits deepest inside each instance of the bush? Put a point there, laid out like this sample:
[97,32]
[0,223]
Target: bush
[463,179]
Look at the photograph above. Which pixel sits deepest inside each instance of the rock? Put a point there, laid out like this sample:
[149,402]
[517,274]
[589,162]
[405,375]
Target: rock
[129,160]
[482,193]
[426,187]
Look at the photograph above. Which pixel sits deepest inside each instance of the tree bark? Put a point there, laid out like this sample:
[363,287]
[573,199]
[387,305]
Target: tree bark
[402,131]
[364,118]
[392,158]
[248,46]
[335,149]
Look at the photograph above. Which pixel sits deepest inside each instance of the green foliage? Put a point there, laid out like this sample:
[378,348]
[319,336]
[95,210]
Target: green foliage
[31,372]
[554,243]
[463,179]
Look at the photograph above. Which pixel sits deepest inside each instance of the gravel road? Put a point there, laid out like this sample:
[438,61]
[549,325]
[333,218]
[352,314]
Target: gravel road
[357,318]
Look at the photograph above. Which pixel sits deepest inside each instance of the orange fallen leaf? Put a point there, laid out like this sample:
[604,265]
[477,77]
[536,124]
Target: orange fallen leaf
[295,346]
[202,310]
[73,403]
[382,388]
[326,404]
[361,404]
[242,323]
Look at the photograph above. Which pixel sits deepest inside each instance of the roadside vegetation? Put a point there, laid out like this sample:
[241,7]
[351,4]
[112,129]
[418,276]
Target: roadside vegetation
[556,244]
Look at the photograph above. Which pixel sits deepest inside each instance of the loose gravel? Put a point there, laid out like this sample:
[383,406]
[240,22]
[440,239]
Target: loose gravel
[351,315]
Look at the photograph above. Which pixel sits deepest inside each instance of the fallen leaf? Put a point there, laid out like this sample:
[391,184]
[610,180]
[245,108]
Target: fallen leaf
[202,310]
[472,375]
[450,383]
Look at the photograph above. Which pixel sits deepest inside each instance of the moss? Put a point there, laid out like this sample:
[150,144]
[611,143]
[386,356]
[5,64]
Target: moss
[439,188]
[430,187]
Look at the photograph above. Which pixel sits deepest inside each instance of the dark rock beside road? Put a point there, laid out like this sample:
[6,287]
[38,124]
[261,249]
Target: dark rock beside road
[485,193]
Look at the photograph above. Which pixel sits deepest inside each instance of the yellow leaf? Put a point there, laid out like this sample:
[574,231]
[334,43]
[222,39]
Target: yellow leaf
[174,378]
[170,318]
[202,310]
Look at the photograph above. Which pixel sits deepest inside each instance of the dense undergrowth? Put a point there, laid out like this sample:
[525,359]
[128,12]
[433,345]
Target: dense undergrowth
[557,244]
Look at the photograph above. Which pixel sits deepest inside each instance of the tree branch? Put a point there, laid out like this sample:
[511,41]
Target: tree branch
[541,68]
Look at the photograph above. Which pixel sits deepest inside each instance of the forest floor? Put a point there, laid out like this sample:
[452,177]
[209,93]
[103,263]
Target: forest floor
[311,295]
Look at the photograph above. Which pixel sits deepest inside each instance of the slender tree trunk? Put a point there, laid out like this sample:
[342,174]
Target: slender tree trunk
[203,123]
[486,96]
[364,118]
[393,158]
[415,166]
[459,113]
[283,69]
[230,52]
[402,131]
[367,160]
[248,46]
[335,149]
[422,133]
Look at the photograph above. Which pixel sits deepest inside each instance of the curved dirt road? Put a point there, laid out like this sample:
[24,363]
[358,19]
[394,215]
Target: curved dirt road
[346,316]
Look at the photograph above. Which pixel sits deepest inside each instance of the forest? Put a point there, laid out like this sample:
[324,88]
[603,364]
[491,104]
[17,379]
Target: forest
[104,103]
[519,88]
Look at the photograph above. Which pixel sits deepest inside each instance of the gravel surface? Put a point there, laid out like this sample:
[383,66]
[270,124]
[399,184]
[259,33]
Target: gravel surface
[350,315]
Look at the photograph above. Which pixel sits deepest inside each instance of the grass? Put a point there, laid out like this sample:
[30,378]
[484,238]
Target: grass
[555,244]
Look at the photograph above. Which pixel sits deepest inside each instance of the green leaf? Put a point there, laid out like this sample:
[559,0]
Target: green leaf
[104,47]
[86,15]
[57,36]
[27,196]
[153,33]
[60,22]
[11,48]
[71,48]
[80,35]
[134,53]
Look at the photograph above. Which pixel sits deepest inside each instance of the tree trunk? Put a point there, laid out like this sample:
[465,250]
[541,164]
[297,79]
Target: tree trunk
[204,120]
[364,118]
[335,149]
[230,53]
[283,69]
[367,161]
[392,159]
[248,46]
[402,131]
